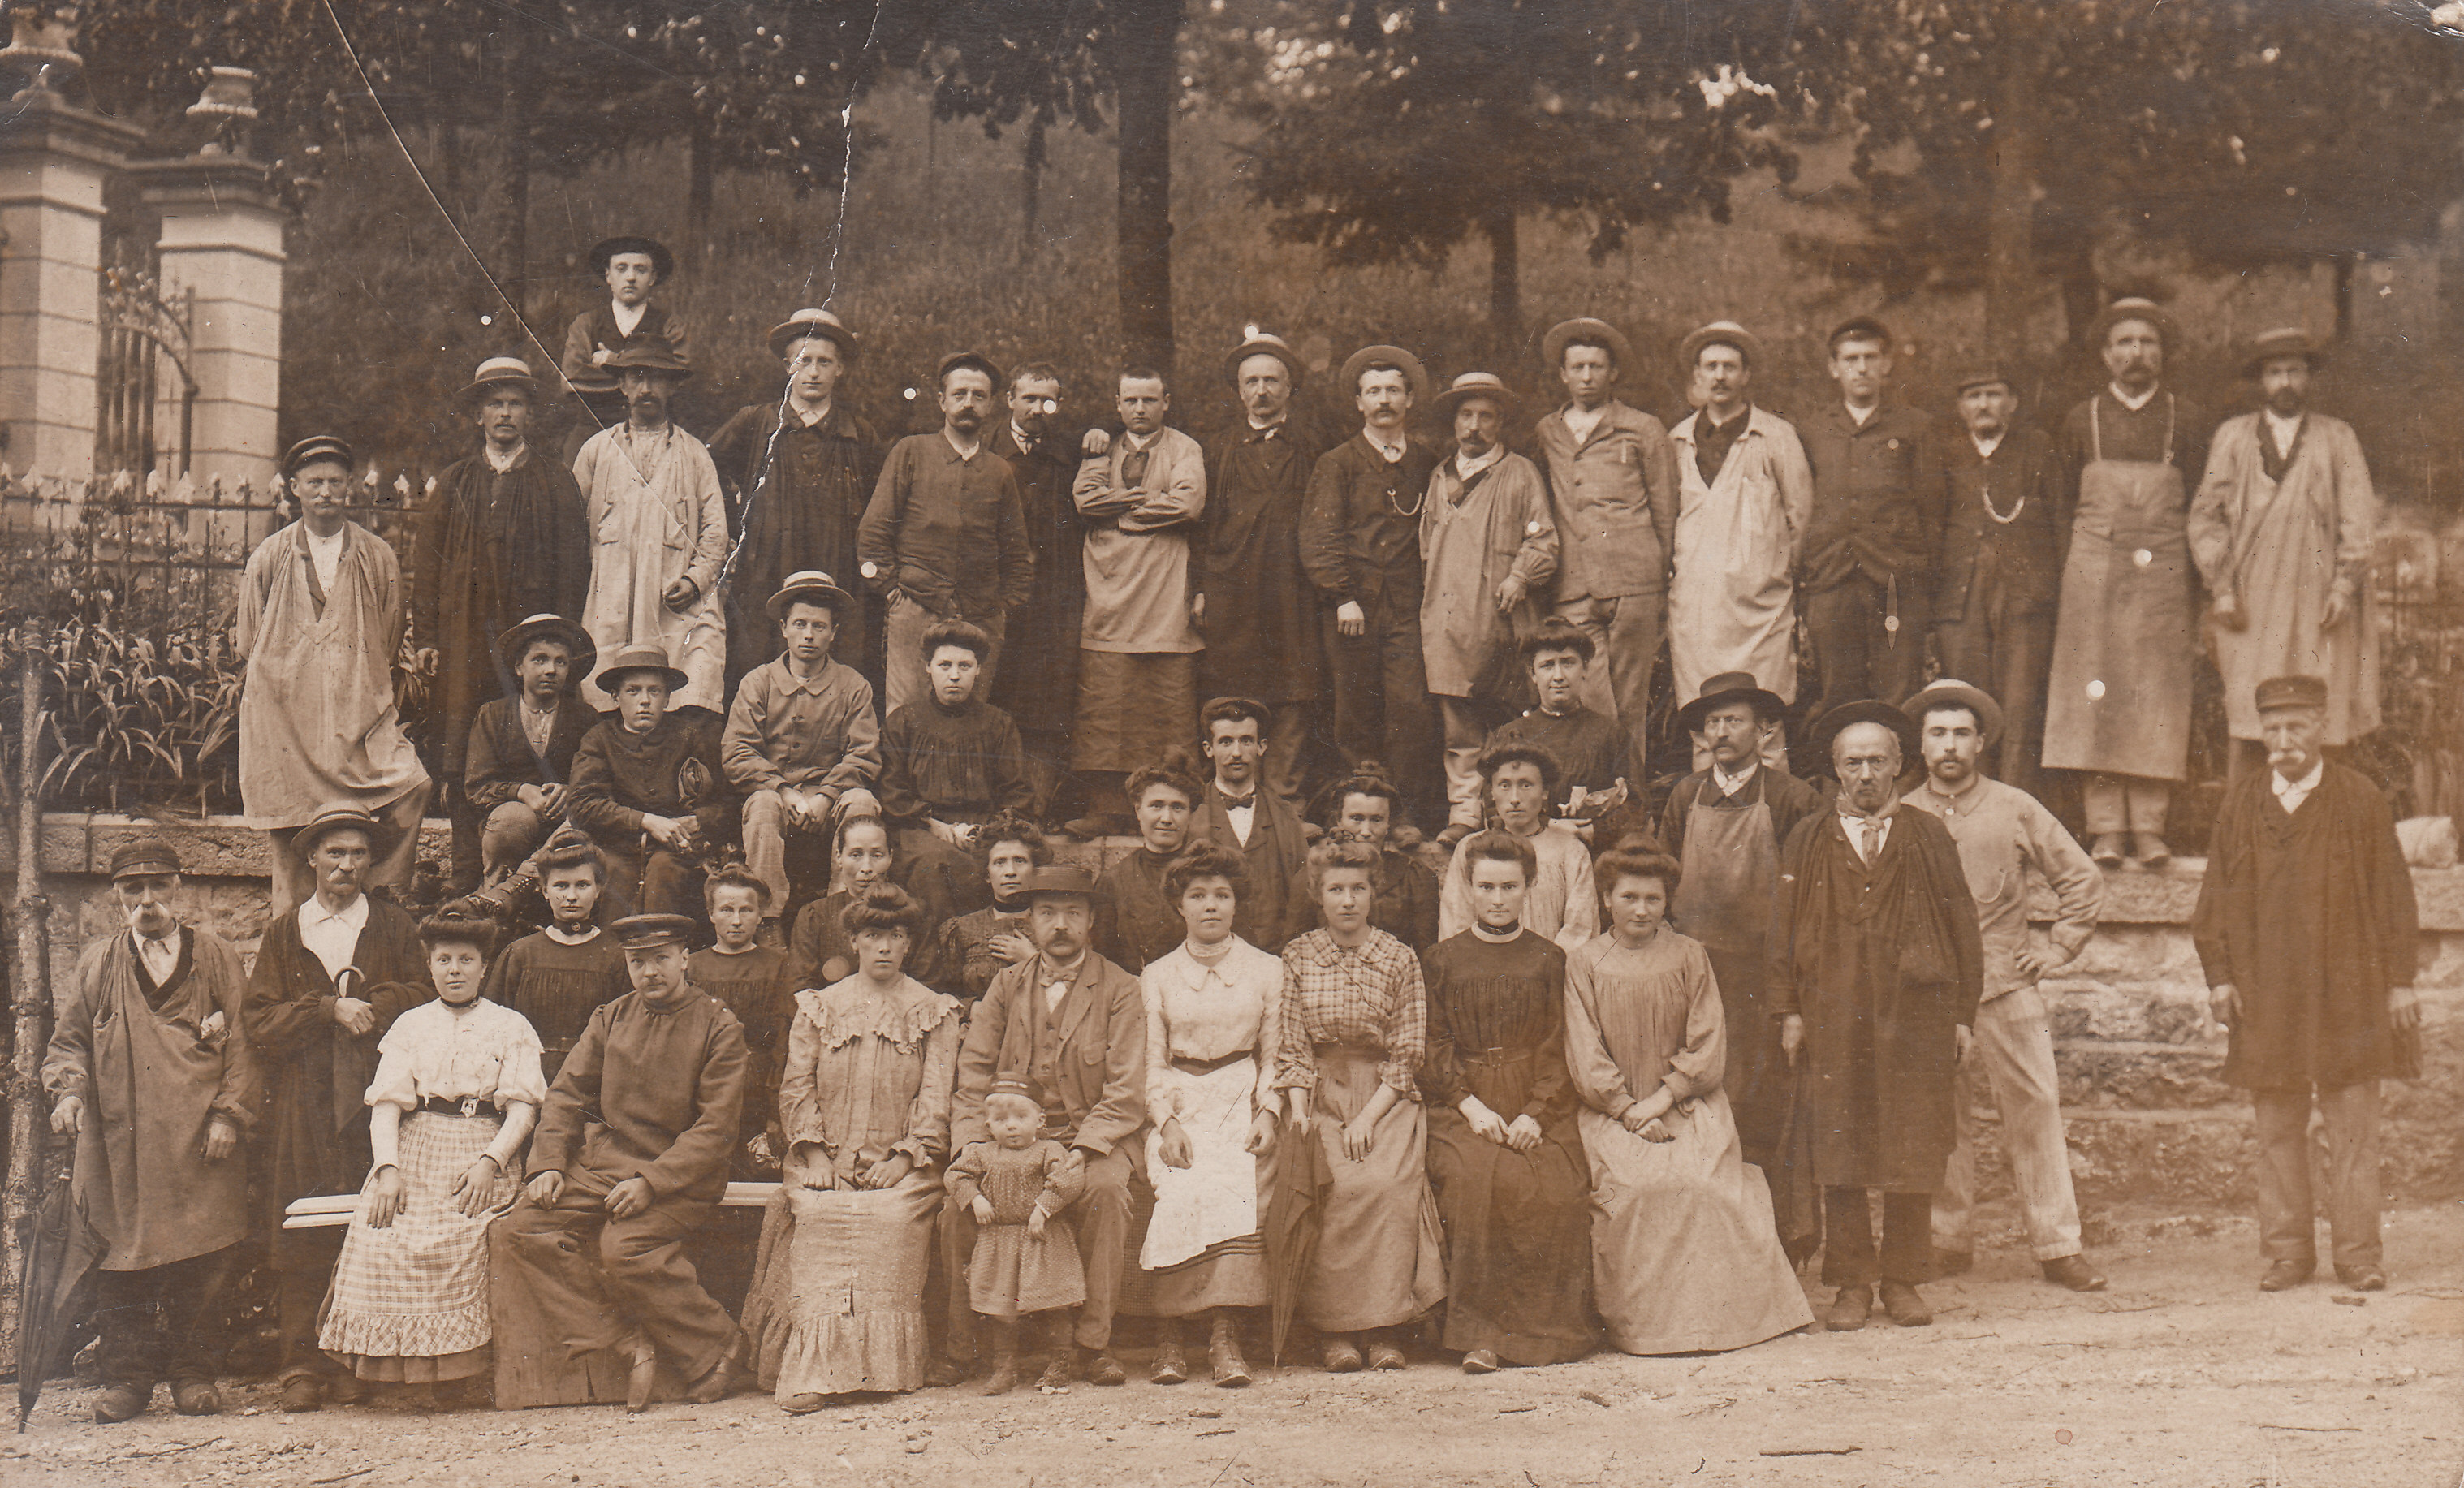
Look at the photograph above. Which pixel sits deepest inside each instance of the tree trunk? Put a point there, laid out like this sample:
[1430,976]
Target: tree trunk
[2010,274]
[30,1004]
[1031,188]
[1145,45]
[1504,276]
[513,140]
[700,165]
[2347,265]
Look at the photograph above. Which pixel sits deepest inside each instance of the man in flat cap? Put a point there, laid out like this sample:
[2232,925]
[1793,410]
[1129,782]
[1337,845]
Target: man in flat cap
[330,978]
[2005,529]
[944,536]
[2118,696]
[2282,529]
[591,1291]
[1613,477]
[632,266]
[1745,494]
[1488,555]
[150,1069]
[2308,932]
[798,468]
[1874,535]
[1038,687]
[517,772]
[502,534]
[660,524]
[320,616]
[1360,545]
[1075,1024]
[1874,966]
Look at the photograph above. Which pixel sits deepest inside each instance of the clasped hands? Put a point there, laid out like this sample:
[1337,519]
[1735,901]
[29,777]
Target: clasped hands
[1522,1133]
[623,1201]
[811,1166]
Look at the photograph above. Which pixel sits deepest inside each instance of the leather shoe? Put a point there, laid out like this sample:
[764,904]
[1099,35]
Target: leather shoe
[346,1389]
[1905,1305]
[1455,832]
[724,1379]
[303,1392]
[121,1403]
[1847,1310]
[1171,1365]
[943,1370]
[1061,1370]
[2107,851]
[1951,1262]
[2284,1276]
[196,1397]
[2362,1278]
[2152,851]
[1102,1369]
[2074,1273]
[1342,1356]
[1383,1355]
[1223,1360]
[803,1405]
[1480,1361]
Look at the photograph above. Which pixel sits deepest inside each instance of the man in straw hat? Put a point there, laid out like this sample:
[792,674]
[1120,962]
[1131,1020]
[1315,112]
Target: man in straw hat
[649,787]
[803,742]
[502,534]
[661,523]
[518,770]
[1488,555]
[1874,966]
[1613,477]
[320,617]
[2308,932]
[2118,696]
[151,1071]
[2005,838]
[799,467]
[2282,529]
[1744,497]
[1360,545]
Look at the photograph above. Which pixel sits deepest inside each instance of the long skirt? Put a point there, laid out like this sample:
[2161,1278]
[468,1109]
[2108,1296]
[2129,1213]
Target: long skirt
[1683,1256]
[837,1303]
[1380,1261]
[1203,1248]
[1518,1227]
[410,1302]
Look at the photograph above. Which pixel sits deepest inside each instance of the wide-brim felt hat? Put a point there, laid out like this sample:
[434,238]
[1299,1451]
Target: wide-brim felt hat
[501,372]
[967,358]
[662,262]
[640,658]
[806,325]
[651,354]
[1872,709]
[1060,878]
[1950,690]
[334,818]
[319,446]
[1585,328]
[1729,687]
[144,856]
[1719,333]
[2290,340]
[1476,385]
[518,638]
[1264,343]
[1414,375]
[2132,308]
[645,931]
[812,585]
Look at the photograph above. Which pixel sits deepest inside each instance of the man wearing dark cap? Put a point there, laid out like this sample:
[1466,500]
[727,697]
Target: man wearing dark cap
[518,773]
[944,536]
[2282,530]
[591,1292]
[798,468]
[151,1071]
[1360,545]
[650,786]
[2007,838]
[2004,533]
[321,620]
[1874,966]
[501,536]
[1613,477]
[2118,696]
[1076,1026]
[2308,932]
[1874,539]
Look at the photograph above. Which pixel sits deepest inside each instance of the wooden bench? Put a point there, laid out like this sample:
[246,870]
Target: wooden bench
[331,1210]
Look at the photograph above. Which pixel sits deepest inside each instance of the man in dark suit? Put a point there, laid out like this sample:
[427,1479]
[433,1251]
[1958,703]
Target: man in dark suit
[1038,687]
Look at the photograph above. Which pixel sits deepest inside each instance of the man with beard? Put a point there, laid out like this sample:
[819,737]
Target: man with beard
[503,536]
[945,535]
[1039,688]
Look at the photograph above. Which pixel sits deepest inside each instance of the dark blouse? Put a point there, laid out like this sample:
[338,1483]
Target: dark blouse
[1492,1005]
[960,764]
[1135,922]
[558,987]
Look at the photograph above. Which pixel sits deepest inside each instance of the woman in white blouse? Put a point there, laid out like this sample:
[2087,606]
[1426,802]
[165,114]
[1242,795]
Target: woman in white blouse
[456,1090]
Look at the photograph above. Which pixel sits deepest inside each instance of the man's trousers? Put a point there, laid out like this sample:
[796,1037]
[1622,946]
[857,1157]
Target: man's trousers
[163,1323]
[2287,1215]
[2013,1056]
[1381,697]
[1626,645]
[2010,656]
[568,1282]
[1860,656]
[1848,1257]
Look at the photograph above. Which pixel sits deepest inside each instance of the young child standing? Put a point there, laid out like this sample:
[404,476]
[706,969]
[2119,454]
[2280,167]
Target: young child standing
[1023,1264]
[820,953]
[559,977]
[742,973]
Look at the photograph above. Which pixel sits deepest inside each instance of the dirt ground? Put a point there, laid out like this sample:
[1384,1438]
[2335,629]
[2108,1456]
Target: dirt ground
[2183,1375]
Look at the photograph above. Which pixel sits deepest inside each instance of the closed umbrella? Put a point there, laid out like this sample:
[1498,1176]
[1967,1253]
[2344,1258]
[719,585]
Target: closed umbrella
[60,1288]
[1294,1213]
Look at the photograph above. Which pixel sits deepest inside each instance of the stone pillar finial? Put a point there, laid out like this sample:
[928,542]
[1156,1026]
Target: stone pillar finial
[42,44]
[227,107]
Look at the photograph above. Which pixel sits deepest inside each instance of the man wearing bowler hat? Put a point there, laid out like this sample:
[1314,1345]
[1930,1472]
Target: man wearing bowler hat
[1360,545]
[632,266]
[1076,1026]
[1488,555]
[503,535]
[798,468]
[150,1071]
[650,788]
[2282,529]
[321,619]
[518,770]
[1874,965]
[1613,476]
[2005,837]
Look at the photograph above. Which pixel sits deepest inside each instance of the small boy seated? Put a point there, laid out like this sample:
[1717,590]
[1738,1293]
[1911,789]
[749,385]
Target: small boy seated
[1594,755]
[521,749]
[744,974]
[821,953]
[648,786]
[972,950]
[801,741]
[562,974]
[949,763]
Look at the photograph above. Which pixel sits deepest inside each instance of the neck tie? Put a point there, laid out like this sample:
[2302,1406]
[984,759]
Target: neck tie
[1873,827]
[1134,469]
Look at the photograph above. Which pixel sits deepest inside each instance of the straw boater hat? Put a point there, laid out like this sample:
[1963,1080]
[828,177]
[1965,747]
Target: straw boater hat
[1476,385]
[647,932]
[315,448]
[144,856]
[1867,711]
[518,639]
[1060,878]
[2289,340]
[1952,690]
[501,372]
[1719,333]
[1585,328]
[967,358]
[812,585]
[1264,343]
[1414,375]
[2132,308]
[639,658]
[2290,692]
[1729,687]
[805,324]
[334,818]
[662,262]
[651,354]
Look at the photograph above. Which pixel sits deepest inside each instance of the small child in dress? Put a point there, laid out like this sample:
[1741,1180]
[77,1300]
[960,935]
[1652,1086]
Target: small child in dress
[1023,1264]
[743,973]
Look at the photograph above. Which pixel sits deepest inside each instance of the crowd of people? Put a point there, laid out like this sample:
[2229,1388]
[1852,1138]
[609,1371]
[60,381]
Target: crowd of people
[749,747]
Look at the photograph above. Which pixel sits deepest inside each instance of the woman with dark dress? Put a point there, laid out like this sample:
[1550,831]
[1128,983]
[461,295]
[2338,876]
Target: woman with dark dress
[972,950]
[820,953]
[1135,920]
[1367,805]
[559,977]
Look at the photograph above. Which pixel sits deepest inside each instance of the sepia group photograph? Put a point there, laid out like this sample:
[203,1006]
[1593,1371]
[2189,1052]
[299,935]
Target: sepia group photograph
[1189,743]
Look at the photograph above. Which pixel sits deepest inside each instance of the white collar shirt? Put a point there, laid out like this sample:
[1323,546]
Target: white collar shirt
[333,937]
[1466,466]
[2291,794]
[1581,422]
[1727,784]
[160,957]
[2134,404]
[1856,826]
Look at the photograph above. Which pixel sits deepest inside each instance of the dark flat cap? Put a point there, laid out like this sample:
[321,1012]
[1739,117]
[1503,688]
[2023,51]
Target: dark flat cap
[1859,328]
[646,932]
[1981,377]
[319,446]
[334,818]
[141,856]
[649,354]
[966,358]
[2291,692]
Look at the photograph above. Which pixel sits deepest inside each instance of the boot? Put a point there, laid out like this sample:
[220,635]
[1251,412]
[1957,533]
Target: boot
[1004,1376]
[1171,1367]
[1223,1352]
[644,1375]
